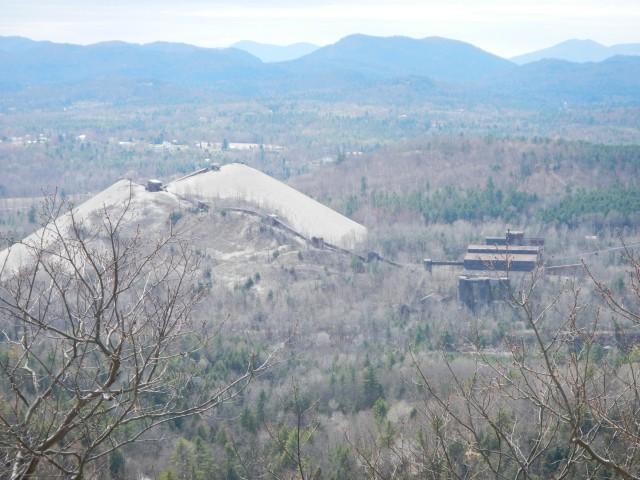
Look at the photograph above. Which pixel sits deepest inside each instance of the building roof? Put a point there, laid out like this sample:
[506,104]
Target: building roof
[500,261]
[501,257]
[513,249]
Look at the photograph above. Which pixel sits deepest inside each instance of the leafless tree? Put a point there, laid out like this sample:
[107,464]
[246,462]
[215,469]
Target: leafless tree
[97,331]
[556,406]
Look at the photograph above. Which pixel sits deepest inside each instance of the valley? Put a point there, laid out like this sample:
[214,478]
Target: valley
[219,267]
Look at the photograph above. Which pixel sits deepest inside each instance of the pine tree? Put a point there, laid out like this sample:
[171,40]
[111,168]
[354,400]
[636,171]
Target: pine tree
[248,420]
[116,465]
[372,390]
[204,466]
[260,410]
[183,460]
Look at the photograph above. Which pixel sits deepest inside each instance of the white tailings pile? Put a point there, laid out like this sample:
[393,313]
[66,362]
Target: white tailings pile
[150,211]
[300,212]
[145,209]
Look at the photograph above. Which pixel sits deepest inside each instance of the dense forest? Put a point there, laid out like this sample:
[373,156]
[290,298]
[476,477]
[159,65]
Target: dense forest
[212,344]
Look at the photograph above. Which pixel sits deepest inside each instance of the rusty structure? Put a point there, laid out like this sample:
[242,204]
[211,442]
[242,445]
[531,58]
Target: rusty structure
[429,264]
[501,261]
[154,185]
[512,253]
[512,249]
[477,291]
[488,267]
[515,237]
[317,242]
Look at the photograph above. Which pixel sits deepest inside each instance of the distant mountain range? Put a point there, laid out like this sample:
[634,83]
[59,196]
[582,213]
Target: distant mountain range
[29,63]
[579,51]
[387,57]
[356,68]
[275,53]
[549,82]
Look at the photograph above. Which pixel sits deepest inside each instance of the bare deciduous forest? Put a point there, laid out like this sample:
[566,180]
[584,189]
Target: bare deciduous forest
[164,335]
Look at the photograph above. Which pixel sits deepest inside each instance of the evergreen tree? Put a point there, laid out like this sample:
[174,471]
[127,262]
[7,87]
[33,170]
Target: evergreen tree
[380,409]
[204,466]
[182,459]
[248,420]
[260,410]
[372,390]
[116,465]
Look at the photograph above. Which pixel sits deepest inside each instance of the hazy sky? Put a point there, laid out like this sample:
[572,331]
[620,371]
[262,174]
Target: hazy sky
[505,27]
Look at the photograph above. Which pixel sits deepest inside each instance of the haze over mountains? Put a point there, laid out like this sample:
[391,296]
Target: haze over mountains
[579,51]
[391,57]
[382,68]
[275,53]
[32,63]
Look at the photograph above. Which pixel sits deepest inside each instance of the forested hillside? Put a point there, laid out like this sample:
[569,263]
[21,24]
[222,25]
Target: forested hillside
[45,74]
[178,301]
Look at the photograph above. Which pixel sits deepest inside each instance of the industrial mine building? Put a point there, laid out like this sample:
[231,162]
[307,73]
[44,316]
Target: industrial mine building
[487,267]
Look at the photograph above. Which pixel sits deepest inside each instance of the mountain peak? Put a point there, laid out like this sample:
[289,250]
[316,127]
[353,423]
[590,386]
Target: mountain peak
[579,51]
[388,57]
[585,42]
